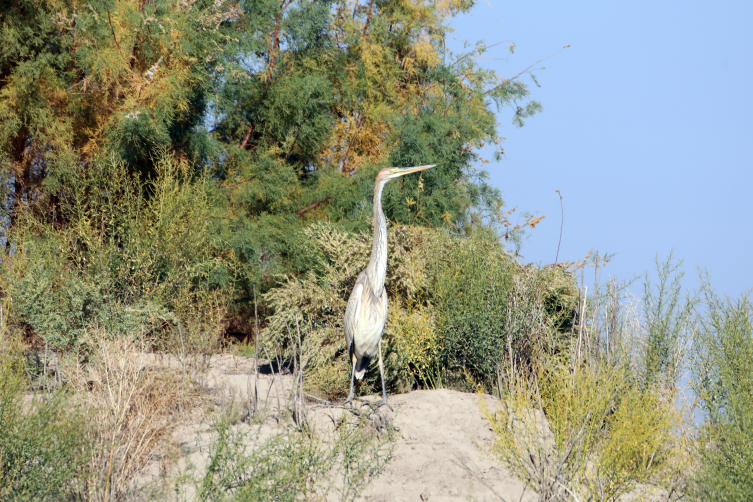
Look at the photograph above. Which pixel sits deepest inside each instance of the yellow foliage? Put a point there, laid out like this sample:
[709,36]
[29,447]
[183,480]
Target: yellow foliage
[425,52]
[590,431]
[416,341]
[640,441]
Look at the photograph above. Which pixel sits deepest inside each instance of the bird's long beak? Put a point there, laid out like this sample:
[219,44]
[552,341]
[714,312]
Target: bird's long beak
[407,170]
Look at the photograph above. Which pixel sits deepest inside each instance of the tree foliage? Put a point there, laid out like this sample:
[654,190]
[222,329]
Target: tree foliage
[283,111]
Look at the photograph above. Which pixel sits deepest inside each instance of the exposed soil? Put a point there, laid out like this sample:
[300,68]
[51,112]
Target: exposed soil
[442,443]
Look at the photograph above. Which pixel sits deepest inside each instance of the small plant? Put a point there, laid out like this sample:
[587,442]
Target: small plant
[45,447]
[640,446]
[293,465]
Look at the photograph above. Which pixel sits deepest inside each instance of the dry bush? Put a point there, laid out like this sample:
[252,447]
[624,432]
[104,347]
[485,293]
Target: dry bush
[134,400]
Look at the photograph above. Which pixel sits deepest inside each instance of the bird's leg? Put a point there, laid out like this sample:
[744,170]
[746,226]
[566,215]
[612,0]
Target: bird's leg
[381,373]
[352,379]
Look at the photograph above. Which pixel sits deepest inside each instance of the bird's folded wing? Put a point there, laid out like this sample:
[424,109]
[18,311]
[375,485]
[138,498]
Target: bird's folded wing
[352,312]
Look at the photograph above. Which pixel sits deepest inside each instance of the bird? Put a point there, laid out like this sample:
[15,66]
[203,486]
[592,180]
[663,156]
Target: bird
[366,313]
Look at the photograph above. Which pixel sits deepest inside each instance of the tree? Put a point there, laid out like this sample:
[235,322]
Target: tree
[282,110]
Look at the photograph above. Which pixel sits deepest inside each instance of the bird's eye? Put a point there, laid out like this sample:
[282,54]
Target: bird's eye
[393,171]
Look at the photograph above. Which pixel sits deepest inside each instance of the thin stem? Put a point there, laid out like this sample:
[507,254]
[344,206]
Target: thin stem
[562,224]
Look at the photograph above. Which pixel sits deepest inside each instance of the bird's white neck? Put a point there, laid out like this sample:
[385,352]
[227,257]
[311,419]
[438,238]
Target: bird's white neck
[377,267]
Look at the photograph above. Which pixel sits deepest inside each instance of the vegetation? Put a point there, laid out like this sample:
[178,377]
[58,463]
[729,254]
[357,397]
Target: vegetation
[292,464]
[585,424]
[222,129]
[723,379]
[446,315]
[45,447]
[175,171]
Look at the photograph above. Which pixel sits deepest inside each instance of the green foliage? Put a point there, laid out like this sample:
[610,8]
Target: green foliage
[473,281]
[490,307]
[126,77]
[723,379]
[455,302]
[275,115]
[668,322]
[292,464]
[45,447]
[134,256]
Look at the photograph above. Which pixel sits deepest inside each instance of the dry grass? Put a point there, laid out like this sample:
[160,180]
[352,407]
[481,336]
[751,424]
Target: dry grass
[134,401]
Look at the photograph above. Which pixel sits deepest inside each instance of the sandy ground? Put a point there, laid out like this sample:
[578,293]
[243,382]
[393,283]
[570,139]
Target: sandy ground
[442,453]
[442,443]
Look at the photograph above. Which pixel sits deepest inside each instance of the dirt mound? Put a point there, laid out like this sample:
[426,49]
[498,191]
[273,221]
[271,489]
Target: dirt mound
[442,452]
[441,442]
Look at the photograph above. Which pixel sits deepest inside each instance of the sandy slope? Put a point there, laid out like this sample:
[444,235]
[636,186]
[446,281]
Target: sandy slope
[442,453]
[442,442]
[441,439]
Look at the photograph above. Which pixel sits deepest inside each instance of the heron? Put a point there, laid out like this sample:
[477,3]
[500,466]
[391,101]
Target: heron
[366,312]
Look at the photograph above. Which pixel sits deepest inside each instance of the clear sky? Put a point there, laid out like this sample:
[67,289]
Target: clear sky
[646,131]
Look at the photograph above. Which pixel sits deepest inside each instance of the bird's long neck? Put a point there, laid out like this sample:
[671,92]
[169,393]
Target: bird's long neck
[377,267]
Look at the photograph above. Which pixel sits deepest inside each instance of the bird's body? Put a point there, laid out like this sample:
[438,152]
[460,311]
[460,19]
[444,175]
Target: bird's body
[365,318]
[366,313]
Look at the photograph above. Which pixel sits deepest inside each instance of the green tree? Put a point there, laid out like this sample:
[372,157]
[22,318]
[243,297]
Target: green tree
[283,111]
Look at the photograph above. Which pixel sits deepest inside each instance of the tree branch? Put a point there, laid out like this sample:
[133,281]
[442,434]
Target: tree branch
[276,39]
[368,18]
[117,44]
[248,136]
[313,206]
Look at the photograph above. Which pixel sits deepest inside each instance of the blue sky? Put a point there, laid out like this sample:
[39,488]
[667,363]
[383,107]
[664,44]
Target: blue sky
[646,131]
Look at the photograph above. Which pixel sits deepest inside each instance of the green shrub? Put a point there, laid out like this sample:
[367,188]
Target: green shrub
[489,307]
[668,318]
[472,281]
[134,256]
[44,448]
[723,379]
[292,465]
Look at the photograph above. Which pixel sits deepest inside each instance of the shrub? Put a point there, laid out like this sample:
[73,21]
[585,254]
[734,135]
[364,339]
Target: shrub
[293,465]
[590,433]
[134,256]
[668,320]
[133,402]
[489,307]
[44,449]
[723,380]
[414,348]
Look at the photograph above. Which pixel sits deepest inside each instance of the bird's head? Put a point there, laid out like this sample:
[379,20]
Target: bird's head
[390,173]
